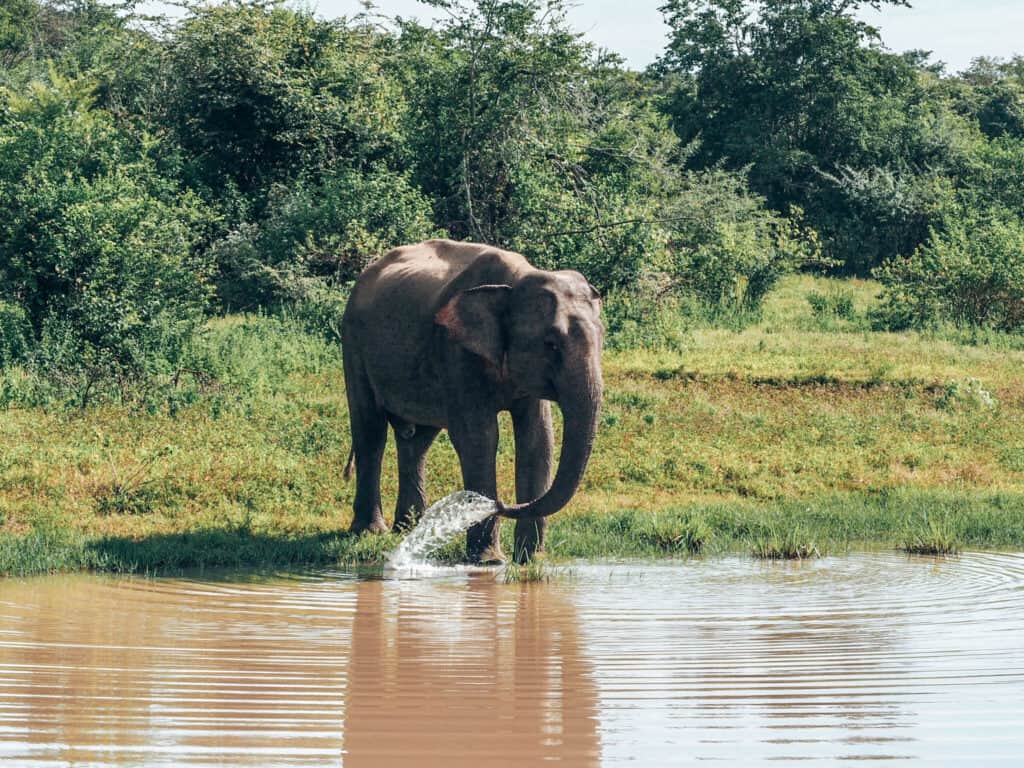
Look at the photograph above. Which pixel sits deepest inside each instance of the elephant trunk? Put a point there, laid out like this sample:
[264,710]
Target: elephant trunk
[580,411]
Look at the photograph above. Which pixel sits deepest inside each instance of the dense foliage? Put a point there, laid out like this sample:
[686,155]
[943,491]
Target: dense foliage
[971,274]
[98,249]
[250,155]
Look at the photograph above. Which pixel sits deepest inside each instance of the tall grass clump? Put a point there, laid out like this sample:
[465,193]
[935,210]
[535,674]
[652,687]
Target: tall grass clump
[837,303]
[687,534]
[933,534]
[776,541]
[537,570]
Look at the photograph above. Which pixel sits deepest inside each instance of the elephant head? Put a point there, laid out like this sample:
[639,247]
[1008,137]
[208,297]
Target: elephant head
[543,337]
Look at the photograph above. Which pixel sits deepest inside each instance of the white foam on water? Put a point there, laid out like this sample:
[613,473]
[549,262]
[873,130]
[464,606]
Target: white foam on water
[440,523]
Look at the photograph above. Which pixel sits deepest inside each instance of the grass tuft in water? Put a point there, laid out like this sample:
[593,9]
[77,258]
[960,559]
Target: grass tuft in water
[539,569]
[774,543]
[933,535]
[687,534]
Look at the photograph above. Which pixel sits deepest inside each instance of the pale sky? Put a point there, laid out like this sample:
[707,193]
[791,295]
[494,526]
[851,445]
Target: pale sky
[955,30]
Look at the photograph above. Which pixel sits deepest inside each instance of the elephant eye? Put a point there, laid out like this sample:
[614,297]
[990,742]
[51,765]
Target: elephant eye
[551,344]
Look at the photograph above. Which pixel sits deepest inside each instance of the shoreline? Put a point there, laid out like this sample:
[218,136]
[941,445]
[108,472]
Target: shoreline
[796,529]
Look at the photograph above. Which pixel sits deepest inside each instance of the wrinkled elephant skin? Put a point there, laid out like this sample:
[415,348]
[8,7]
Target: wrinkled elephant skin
[444,335]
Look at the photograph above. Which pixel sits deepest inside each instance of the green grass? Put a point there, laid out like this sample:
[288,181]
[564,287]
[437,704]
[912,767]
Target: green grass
[934,535]
[805,431]
[921,522]
[539,569]
[784,543]
[832,524]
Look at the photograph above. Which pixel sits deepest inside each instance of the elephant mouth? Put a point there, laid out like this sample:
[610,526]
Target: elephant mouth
[540,387]
[547,393]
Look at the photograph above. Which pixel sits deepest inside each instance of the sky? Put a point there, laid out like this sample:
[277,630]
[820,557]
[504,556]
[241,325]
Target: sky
[956,31]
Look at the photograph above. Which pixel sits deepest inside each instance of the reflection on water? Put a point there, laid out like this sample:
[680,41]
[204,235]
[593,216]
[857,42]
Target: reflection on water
[468,674]
[870,657]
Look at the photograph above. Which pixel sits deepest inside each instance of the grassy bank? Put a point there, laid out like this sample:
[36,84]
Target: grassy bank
[803,432]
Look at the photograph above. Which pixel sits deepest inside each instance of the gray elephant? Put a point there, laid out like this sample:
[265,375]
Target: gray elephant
[445,335]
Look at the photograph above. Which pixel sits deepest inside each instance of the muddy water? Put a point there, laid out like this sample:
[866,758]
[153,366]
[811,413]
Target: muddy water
[879,657]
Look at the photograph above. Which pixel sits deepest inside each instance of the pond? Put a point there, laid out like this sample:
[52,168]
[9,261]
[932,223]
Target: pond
[874,656]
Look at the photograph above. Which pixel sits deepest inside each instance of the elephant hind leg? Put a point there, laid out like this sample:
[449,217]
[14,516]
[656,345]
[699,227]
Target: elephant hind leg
[369,437]
[413,443]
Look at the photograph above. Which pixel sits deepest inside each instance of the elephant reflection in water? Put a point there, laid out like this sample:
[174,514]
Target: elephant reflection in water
[468,675]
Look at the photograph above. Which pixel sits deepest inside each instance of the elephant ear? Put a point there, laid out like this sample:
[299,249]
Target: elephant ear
[474,319]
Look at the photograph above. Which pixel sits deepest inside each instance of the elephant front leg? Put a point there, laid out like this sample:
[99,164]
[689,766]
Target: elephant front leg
[531,420]
[413,444]
[476,442]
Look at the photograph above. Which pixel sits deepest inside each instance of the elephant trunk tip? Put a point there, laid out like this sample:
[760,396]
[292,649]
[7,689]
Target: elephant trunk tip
[516,511]
[541,507]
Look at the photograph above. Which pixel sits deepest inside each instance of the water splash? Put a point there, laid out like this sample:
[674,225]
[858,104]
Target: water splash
[440,523]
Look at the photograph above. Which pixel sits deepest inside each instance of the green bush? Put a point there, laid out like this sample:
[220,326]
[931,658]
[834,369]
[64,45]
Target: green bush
[639,319]
[971,274]
[868,215]
[259,93]
[834,304]
[14,334]
[316,235]
[559,229]
[95,247]
[727,249]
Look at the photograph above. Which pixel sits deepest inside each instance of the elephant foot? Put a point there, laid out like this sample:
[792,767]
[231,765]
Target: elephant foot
[483,543]
[405,523]
[376,525]
[529,540]
[489,556]
[524,554]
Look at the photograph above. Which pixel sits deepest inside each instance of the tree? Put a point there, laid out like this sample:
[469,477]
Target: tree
[993,94]
[96,248]
[262,94]
[802,93]
[527,139]
[485,90]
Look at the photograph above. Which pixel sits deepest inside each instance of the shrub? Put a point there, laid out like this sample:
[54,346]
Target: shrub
[317,235]
[835,303]
[95,248]
[867,215]
[260,94]
[970,274]
[637,318]
[727,249]
[560,228]
[965,394]
[14,333]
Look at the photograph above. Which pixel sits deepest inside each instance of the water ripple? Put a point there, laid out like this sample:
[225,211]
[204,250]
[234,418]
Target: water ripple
[880,657]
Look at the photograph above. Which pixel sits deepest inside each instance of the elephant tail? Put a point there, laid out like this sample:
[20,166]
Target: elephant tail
[351,463]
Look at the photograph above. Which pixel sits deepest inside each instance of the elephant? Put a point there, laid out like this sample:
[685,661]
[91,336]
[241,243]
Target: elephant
[445,335]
